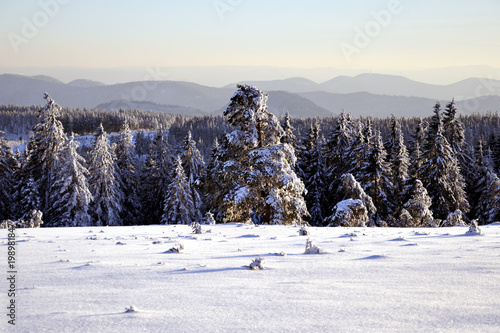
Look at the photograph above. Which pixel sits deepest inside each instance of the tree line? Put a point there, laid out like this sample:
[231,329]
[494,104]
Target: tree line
[437,171]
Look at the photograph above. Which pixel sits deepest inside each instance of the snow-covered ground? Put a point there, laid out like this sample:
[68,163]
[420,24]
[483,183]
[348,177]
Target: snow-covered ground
[367,280]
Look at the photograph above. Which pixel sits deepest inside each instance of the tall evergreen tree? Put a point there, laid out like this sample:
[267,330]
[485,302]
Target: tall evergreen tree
[417,146]
[214,188]
[288,135]
[337,144]
[155,178]
[311,169]
[41,163]
[454,132]
[485,194]
[178,202]
[126,163]
[440,174]
[71,209]
[375,177]
[399,162]
[194,167]
[8,167]
[103,182]
[336,153]
[268,185]
[357,150]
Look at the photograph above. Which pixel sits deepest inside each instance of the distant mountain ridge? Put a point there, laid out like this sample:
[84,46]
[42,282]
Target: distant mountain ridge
[362,95]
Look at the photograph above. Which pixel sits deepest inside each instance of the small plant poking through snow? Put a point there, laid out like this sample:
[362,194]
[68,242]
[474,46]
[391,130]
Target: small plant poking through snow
[176,249]
[303,231]
[311,248]
[131,309]
[257,263]
[196,228]
[474,229]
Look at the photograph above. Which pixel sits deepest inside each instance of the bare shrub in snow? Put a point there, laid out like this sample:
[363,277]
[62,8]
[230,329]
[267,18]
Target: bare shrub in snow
[349,213]
[311,248]
[474,229]
[257,263]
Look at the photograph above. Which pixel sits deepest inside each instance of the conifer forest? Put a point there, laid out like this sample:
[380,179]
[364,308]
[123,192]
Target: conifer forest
[99,168]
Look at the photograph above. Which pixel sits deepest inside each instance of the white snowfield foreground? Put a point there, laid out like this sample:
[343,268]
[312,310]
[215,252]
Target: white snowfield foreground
[165,278]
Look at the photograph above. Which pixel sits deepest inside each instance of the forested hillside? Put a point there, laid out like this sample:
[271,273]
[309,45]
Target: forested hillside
[248,165]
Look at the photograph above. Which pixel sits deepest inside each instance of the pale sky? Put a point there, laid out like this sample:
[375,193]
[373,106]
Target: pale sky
[404,34]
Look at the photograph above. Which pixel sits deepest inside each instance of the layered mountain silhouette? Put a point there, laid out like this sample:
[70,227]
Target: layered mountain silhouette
[363,95]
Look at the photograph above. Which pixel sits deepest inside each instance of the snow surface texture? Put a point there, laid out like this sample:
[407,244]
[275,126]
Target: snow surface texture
[367,280]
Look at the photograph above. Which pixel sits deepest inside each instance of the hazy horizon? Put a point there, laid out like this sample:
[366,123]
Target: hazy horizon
[399,37]
[219,76]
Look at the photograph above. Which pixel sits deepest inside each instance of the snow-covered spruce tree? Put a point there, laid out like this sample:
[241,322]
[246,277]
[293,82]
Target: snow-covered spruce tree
[400,163]
[418,140]
[178,203]
[416,212]
[155,178]
[311,169]
[71,209]
[213,183]
[347,210]
[103,183]
[375,178]
[485,196]
[267,184]
[336,150]
[454,132]
[27,197]
[223,176]
[288,135]
[8,167]
[126,163]
[440,173]
[194,167]
[357,150]
[41,163]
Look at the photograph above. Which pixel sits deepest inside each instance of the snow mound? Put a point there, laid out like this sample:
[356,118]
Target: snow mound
[374,257]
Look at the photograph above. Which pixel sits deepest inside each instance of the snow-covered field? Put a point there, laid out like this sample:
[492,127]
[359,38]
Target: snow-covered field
[367,280]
